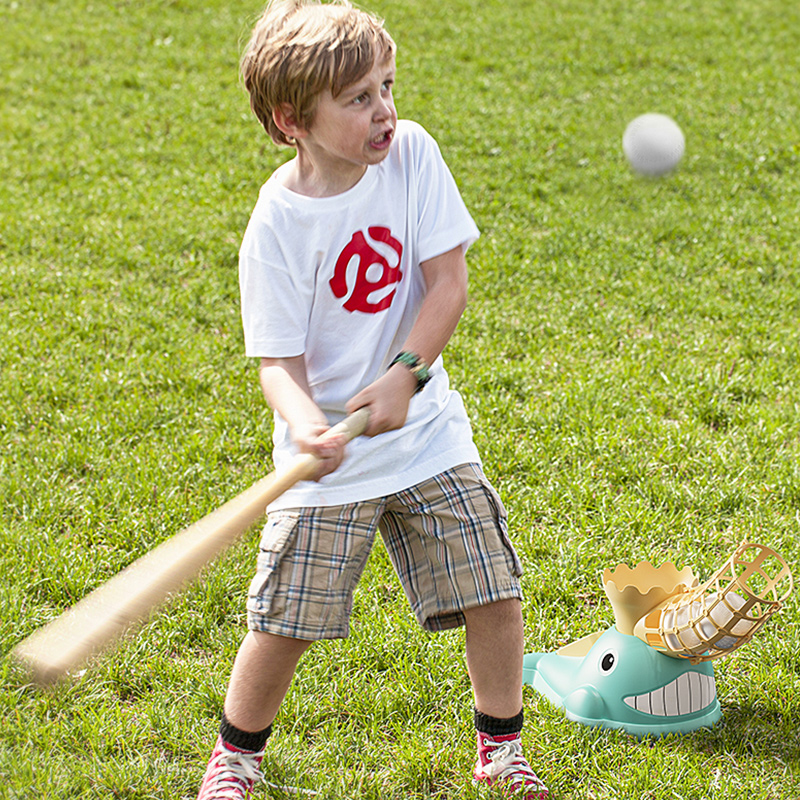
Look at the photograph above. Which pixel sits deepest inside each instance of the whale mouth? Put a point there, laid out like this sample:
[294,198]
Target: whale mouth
[687,694]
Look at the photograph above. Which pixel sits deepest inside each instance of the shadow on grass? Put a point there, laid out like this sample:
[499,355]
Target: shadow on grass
[752,731]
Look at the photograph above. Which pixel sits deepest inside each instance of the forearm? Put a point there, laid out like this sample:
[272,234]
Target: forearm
[437,320]
[286,390]
[285,386]
[444,303]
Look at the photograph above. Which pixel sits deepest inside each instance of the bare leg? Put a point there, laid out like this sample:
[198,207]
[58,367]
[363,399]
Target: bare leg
[494,657]
[261,676]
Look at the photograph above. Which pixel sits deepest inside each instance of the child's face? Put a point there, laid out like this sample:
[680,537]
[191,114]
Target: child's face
[355,129]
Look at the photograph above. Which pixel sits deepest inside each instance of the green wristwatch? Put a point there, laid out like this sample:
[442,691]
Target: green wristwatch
[419,369]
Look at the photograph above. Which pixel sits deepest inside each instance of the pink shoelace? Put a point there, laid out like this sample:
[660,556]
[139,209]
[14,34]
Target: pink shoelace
[230,774]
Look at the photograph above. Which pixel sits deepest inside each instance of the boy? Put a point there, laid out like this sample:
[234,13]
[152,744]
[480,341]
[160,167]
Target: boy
[353,278]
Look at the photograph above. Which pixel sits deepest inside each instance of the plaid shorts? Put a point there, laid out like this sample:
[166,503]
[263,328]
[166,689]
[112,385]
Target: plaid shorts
[447,538]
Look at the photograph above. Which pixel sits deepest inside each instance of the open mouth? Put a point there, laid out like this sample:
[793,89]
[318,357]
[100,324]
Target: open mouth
[687,694]
[383,140]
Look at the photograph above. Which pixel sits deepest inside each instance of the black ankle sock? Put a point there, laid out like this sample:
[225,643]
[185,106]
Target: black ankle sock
[498,727]
[243,740]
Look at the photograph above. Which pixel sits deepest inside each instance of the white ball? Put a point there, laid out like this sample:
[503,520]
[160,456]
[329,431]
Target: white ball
[653,144]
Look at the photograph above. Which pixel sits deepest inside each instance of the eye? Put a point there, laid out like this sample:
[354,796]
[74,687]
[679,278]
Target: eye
[608,661]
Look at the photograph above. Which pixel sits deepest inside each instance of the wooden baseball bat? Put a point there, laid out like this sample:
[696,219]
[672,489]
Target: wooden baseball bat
[95,622]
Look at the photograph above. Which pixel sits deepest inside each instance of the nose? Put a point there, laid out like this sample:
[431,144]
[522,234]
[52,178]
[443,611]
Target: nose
[384,108]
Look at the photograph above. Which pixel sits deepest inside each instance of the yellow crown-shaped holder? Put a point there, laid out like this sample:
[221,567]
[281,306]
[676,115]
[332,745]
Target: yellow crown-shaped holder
[633,592]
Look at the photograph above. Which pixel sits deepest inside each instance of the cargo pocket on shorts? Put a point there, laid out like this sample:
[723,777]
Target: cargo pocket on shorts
[264,597]
[501,520]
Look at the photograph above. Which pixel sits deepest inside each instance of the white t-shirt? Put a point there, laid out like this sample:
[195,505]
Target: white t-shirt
[338,279]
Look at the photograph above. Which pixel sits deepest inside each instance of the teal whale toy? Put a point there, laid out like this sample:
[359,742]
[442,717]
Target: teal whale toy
[650,674]
[613,679]
[621,682]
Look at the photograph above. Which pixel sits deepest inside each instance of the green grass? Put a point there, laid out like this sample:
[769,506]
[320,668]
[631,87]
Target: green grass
[629,358]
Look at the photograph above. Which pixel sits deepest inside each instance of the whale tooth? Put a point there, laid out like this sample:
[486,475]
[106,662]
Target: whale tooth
[657,702]
[671,698]
[687,694]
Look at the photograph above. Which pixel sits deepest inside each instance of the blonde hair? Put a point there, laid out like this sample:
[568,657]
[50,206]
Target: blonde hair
[300,48]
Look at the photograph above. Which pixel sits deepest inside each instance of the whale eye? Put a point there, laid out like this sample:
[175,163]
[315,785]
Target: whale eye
[608,661]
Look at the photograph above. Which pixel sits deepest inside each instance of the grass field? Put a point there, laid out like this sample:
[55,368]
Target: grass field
[629,357]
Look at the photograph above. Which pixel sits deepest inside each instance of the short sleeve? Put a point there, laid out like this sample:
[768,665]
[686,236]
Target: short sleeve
[443,219]
[275,304]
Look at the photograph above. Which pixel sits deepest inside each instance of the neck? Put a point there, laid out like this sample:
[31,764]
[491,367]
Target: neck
[303,176]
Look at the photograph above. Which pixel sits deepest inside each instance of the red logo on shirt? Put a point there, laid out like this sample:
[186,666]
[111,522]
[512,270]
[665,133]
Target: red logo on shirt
[362,285]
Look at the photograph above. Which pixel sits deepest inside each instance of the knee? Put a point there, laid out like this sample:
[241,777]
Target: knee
[500,613]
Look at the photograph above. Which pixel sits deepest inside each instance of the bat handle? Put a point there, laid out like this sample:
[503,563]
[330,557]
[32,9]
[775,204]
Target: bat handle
[304,465]
[353,425]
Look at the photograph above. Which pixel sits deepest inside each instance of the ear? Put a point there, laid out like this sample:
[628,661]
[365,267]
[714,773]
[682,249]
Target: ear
[285,118]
